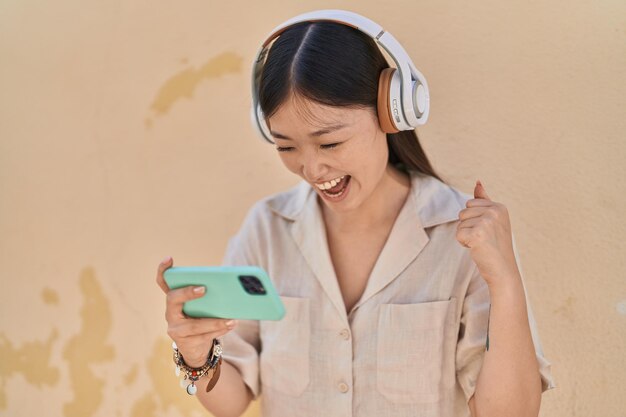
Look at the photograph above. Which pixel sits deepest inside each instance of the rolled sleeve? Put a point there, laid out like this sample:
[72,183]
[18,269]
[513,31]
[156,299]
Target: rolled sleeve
[545,371]
[470,348]
[240,349]
[241,346]
[473,334]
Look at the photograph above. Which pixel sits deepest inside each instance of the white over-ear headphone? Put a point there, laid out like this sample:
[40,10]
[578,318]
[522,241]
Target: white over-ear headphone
[403,98]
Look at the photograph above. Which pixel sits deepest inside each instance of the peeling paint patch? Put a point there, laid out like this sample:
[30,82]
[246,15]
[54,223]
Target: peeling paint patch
[31,360]
[88,347]
[621,307]
[186,81]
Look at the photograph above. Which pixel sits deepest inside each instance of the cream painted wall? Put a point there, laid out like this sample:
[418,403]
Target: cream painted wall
[124,137]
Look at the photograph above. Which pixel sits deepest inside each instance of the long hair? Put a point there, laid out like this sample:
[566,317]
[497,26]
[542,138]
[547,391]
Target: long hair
[335,65]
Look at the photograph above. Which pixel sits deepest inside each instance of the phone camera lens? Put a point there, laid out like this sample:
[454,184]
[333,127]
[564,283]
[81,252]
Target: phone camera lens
[252,284]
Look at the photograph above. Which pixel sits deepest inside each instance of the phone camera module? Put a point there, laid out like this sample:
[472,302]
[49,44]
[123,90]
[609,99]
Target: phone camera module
[251,284]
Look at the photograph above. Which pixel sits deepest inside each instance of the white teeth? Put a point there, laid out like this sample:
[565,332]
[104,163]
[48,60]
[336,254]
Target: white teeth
[330,184]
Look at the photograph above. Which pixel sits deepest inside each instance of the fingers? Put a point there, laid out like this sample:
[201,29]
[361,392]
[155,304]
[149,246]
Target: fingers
[165,263]
[478,202]
[176,298]
[493,210]
[479,191]
[463,237]
[470,223]
[200,326]
[468,213]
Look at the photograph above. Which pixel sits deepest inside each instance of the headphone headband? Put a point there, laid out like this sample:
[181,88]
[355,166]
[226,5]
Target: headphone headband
[409,106]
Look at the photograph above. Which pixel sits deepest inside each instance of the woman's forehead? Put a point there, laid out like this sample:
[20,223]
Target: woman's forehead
[312,114]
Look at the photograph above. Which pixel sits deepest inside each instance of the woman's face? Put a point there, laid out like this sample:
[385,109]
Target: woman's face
[324,143]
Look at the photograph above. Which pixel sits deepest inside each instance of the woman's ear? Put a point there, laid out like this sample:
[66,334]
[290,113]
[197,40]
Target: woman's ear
[375,119]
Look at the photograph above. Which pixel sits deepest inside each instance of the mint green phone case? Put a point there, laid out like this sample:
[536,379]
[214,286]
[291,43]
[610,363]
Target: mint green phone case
[234,292]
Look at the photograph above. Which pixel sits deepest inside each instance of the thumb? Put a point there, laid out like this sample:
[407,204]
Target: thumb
[479,191]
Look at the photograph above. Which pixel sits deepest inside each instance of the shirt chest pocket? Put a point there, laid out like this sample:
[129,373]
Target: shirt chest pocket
[413,341]
[284,357]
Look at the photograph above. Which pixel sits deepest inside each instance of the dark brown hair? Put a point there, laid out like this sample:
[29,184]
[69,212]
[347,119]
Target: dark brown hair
[318,61]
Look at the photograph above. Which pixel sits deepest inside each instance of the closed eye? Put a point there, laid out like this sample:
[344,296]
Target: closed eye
[326,146]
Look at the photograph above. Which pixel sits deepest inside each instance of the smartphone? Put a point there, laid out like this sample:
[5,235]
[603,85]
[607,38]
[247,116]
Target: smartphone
[233,292]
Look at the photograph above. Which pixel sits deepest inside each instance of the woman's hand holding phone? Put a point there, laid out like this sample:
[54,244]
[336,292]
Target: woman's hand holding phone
[193,336]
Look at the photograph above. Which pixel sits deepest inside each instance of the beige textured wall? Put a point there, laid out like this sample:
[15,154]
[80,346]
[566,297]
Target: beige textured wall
[124,137]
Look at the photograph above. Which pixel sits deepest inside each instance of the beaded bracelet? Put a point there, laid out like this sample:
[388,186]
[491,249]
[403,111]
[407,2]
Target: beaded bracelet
[214,360]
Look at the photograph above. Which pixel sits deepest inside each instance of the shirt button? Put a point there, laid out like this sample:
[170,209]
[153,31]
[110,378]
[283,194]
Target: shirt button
[345,333]
[343,387]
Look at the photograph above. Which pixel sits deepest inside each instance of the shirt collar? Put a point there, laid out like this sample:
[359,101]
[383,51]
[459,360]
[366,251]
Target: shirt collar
[435,201]
[430,202]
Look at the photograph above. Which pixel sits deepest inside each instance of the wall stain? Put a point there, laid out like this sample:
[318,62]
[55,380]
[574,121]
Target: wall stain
[566,309]
[186,81]
[50,296]
[131,376]
[88,347]
[144,407]
[32,360]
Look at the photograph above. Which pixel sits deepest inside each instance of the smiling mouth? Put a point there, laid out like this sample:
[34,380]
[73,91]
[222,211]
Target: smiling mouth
[330,184]
[339,187]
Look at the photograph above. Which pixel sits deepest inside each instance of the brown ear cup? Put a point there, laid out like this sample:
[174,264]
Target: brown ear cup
[384,107]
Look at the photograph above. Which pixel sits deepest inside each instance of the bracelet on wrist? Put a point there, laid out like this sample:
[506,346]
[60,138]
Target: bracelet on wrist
[211,366]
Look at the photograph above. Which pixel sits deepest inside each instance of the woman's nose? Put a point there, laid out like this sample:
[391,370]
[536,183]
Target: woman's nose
[313,167]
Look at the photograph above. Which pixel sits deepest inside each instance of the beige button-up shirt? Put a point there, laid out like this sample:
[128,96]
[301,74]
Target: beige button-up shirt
[412,345]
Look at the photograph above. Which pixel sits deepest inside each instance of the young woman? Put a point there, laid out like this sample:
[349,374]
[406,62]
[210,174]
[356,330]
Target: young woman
[403,294]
